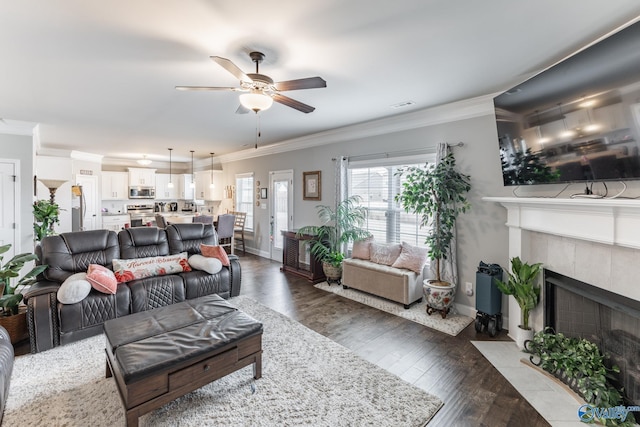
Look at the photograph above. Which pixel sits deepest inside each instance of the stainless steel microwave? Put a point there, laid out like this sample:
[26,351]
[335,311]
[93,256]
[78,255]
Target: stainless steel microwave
[142,193]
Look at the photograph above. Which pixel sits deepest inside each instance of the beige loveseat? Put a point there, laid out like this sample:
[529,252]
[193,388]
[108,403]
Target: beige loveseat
[390,271]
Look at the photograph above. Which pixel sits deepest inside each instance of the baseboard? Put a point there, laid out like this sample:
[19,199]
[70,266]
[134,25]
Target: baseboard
[258,252]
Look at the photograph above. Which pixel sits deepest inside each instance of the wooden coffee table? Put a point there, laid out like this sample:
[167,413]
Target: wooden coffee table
[159,355]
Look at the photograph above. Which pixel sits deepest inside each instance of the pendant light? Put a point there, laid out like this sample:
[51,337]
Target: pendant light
[193,178]
[541,139]
[170,184]
[567,132]
[212,185]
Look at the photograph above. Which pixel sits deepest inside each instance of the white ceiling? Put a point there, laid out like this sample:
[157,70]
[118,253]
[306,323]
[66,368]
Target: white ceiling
[99,77]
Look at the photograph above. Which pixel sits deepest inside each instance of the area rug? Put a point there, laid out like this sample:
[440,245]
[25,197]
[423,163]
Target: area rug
[453,324]
[307,380]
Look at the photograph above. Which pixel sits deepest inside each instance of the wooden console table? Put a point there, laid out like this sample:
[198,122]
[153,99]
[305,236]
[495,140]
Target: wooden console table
[294,257]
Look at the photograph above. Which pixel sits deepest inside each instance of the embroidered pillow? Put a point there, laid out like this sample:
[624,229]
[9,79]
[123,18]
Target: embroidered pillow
[74,289]
[138,268]
[102,279]
[210,265]
[362,248]
[215,252]
[412,258]
[385,254]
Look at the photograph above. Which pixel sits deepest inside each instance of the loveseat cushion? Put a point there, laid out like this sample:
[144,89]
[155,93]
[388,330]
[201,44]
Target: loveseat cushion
[188,237]
[380,268]
[385,254]
[412,258]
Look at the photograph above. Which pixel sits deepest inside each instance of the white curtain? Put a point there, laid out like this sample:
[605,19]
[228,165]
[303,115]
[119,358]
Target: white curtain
[449,267]
[340,175]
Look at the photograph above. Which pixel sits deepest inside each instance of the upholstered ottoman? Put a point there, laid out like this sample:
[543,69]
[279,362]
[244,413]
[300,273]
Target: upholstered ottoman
[159,355]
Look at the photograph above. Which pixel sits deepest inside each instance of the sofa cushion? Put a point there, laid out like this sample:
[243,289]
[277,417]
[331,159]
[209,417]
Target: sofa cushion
[188,237]
[218,252]
[210,265]
[74,289]
[385,254]
[143,242]
[102,279]
[362,248]
[412,258]
[130,269]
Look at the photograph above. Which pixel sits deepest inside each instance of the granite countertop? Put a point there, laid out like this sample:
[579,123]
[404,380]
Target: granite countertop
[113,214]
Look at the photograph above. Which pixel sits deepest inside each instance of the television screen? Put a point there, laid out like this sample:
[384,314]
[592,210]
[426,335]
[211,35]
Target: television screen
[576,121]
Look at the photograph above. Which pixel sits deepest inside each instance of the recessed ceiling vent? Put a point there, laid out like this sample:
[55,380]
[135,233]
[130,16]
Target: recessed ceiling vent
[402,104]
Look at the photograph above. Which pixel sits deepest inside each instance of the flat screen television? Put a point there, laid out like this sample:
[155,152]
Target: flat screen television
[578,120]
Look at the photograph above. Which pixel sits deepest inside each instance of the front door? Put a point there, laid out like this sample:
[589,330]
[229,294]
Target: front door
[281,185]
[8,207]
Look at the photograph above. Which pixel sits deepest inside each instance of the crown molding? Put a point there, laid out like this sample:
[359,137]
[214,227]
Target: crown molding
[17,127]
[460,110]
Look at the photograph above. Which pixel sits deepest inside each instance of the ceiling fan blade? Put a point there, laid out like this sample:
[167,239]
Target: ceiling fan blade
[308,83]
[207,88]
[242,109]
[293,103]
[232,68]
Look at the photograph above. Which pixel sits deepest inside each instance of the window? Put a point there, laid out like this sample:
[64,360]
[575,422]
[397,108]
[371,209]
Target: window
[245,197]
[377,184]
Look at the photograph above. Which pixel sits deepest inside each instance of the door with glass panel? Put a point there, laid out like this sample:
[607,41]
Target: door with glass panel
[281,186]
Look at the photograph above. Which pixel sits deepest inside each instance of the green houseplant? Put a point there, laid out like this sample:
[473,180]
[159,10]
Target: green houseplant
[11,269]
[436,192]
[45,214]
[339,226]
[523,285]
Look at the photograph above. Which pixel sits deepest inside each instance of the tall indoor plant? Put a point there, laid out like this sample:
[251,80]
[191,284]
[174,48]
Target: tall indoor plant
[339,227]
[523,285]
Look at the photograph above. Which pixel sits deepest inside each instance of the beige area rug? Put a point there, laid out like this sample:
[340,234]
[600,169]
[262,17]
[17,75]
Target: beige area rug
[307,380]
[453,324]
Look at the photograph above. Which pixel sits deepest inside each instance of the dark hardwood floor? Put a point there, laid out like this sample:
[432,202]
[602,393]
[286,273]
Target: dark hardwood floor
[473,391]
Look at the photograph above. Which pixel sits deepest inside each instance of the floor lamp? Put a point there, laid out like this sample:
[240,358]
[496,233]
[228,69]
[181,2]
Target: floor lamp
[52,185]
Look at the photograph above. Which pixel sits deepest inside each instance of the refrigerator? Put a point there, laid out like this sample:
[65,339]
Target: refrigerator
[78,208]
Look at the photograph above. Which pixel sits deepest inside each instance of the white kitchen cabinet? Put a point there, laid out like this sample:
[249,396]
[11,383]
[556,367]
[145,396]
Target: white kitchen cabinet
[115,185]
[610,117]
[142,177]
[185,190]
[578,119]
[115,222]
[203,187]
[163,192]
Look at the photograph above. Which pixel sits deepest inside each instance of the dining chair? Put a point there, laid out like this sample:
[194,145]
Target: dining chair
[225,231]
[160,222]
[203,219]
[238,229]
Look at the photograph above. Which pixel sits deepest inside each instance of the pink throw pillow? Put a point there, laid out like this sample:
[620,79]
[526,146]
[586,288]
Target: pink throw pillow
[102,279]
[215,252]
[412,258]
[385,254]
[362,248]
[138,268]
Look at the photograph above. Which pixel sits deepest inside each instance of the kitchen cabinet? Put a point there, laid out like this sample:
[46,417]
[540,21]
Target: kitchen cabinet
[578,119]
[610,117]
[203,187]
[185,190]
[115,186]
[163,192]
[115,222]
[142,177]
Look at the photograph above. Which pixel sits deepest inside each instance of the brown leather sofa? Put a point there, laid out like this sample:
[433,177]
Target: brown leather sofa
[52,323]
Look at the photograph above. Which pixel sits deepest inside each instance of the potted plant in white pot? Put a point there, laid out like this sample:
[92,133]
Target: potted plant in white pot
[436,192]
[339,226]
[523,285]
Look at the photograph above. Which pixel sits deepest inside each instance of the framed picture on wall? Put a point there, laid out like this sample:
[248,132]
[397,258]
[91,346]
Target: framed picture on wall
[311,185]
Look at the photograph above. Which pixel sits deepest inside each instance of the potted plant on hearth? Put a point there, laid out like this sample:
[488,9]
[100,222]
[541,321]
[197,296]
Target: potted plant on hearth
[523,285]
[436,192]
[12,318]
[339,227]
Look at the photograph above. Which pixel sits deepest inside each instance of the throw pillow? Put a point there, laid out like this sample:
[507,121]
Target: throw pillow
[210,265]
[102,279]
[412,258]
[138,268]
[385,254]
[74,289]
[362,248]
[215,252]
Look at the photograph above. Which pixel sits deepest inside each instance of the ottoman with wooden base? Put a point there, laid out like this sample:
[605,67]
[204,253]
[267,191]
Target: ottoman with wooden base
[159,355]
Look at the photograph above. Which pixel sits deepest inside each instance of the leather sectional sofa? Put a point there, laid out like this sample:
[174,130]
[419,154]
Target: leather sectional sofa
[52,323]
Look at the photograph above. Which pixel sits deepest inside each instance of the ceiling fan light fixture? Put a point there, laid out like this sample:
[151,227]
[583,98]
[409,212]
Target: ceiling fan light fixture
[144,161]
[256,101]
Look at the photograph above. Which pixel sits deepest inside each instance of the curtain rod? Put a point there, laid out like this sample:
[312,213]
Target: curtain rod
[428,150]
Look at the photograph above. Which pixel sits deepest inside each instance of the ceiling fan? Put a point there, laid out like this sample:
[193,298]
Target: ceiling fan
[259,89]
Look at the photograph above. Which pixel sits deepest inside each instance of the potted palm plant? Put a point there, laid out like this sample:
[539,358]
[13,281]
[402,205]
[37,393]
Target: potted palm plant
[523,285]
[339,227]
[46,215]
[13,320]
[436,192]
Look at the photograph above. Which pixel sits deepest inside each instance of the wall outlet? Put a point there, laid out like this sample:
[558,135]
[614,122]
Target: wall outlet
[468,288]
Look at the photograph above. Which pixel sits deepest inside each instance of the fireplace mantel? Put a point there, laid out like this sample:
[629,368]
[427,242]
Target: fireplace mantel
[607,221]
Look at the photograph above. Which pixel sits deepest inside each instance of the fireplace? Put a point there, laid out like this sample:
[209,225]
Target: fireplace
[611,320]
